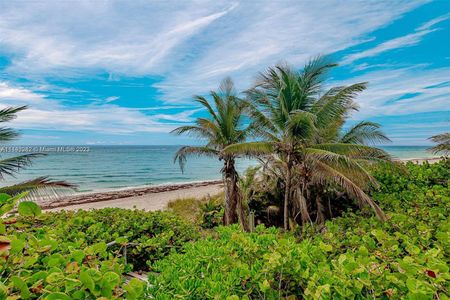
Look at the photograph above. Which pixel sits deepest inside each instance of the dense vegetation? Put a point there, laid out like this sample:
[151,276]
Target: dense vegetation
[66,255]
[80,255]
[352,257]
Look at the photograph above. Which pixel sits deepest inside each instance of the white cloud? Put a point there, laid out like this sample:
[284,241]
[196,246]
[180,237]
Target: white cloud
[111,99]
[408,40]
[46,114]
[185,116]
[191,44]
[429,90]
[9,93]
[107,35]
[103,119]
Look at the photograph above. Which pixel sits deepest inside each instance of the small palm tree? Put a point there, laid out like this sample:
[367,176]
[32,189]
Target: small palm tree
[301,127]
[38,187]
[224,126]
[443,144]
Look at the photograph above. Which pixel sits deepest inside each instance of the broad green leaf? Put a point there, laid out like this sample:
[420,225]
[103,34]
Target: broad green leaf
[134,289]
[29,209]
[87,281]
[21,286]
[57,296]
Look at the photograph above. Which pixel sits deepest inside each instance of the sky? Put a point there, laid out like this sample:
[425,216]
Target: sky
[124,72]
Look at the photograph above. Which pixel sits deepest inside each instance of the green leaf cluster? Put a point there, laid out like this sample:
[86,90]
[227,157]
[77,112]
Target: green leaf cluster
[66,255]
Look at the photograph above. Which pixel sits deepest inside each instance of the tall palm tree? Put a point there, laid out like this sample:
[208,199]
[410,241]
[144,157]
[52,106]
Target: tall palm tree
[224,126]
[302,127]
[38,187]
[443,143]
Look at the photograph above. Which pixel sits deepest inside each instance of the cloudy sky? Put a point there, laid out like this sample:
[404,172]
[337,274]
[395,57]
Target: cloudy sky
[123,72]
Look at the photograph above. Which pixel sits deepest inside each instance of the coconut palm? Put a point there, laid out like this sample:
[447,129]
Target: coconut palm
[224,126]
[443,143]
[301,127]
[41,186]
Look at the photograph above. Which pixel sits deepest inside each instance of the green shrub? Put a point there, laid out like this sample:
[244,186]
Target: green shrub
[152,235]
[65,255]
[212,213]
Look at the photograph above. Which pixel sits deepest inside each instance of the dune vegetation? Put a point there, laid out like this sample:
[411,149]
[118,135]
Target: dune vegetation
[81,255]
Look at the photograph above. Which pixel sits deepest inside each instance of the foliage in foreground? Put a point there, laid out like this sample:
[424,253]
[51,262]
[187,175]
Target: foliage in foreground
[352,257]
[65,255]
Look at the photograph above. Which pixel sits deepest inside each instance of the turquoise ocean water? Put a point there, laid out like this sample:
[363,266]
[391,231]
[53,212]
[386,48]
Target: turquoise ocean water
[97,168]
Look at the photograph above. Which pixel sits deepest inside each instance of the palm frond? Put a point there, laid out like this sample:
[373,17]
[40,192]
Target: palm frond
[364,133]
[348,166]
[41,189]
[301,124]
[10,166]
[7,134]
[250,149]
[336,103]
[354,151]
[184,152]
[443,144]
[192,130]
[206,104]
[324,174]
[313,74]
[9,113]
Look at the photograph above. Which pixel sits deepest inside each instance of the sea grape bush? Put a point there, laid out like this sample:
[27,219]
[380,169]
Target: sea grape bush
[351,257]
[65,255]
[151,235]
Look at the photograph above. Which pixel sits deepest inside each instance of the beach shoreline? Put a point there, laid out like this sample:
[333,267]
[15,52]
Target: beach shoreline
[148,198]
[155,197]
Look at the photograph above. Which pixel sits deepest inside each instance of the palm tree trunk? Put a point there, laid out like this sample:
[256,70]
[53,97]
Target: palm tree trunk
[287,194]
[243,218]
[231,196]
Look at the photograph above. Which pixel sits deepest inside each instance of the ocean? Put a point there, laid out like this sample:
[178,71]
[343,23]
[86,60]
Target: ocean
[102,168]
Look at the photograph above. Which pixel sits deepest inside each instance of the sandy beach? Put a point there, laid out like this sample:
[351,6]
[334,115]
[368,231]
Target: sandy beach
[148,198]
[422,160]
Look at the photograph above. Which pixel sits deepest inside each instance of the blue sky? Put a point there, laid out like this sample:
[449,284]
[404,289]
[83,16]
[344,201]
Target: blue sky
[119,72]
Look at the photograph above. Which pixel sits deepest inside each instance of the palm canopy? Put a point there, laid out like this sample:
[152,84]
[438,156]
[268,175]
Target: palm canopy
[224,125]
[302,125]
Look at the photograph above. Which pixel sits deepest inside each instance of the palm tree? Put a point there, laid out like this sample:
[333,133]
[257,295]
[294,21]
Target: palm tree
[443,143]
[224,126]
[301,130]
[38,187]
